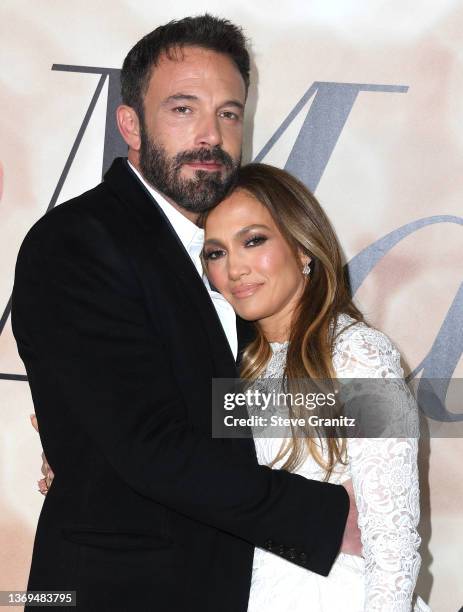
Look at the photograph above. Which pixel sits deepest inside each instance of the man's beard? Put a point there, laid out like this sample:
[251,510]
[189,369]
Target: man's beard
[196,194]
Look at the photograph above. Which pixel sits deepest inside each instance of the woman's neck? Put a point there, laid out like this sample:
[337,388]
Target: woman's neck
[277,327]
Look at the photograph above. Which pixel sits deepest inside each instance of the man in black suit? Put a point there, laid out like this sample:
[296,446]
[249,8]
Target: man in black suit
[121,338]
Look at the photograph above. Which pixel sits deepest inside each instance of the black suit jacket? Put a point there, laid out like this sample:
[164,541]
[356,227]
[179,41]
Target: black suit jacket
[120,342]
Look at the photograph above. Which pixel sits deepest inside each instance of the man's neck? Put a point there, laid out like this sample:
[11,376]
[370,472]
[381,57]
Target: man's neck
[190,215]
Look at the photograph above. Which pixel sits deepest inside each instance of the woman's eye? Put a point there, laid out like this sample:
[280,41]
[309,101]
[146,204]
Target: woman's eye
[255,241]
[211,255]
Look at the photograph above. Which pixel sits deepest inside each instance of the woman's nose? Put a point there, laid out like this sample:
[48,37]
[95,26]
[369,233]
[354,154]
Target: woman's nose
[237,266]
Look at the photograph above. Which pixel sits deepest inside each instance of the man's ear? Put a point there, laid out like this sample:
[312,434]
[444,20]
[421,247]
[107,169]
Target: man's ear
[129,126]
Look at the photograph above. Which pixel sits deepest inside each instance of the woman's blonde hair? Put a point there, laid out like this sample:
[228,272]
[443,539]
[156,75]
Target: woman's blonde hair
[307,230]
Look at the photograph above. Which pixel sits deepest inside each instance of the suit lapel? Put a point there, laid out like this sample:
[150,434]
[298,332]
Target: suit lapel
[154,240]
[158,239]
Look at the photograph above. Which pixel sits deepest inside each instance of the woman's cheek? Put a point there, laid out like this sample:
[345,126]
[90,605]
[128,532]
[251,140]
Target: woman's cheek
[218,276]
[268,261]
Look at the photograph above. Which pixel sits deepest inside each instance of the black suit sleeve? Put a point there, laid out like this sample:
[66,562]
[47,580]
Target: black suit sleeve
[83,330]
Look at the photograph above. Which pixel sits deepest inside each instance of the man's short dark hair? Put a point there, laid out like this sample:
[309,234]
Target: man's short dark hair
[204,31]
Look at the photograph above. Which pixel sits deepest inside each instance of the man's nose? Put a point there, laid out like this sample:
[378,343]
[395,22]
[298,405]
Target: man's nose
[209,133]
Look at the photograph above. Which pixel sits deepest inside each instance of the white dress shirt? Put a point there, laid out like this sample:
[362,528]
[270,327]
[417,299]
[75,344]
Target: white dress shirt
[192,238]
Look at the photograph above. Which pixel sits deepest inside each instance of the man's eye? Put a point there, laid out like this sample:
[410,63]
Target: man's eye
[211,255]
[181,110]
[229,115]
[255,241]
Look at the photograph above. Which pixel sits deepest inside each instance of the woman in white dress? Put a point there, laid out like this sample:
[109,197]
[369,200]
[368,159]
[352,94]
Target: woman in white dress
[271,251]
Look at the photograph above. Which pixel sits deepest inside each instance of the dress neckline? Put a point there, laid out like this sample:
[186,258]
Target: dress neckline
[278,346]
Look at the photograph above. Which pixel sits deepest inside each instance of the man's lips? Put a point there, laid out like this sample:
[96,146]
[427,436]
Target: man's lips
[243,291]
[212,166]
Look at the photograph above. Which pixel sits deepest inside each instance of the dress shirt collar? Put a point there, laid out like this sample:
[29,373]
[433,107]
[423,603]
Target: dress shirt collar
[191,236]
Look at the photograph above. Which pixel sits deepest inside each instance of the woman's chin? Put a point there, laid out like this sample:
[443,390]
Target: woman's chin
[249,313]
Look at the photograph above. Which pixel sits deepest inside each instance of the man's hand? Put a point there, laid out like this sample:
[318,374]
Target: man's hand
[44,483]
[351,542]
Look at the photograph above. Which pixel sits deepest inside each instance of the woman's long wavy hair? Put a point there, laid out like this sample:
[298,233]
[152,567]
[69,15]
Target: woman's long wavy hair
[307,230]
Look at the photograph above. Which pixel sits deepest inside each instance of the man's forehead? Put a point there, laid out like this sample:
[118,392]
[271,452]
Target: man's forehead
[194,65]
[178,54]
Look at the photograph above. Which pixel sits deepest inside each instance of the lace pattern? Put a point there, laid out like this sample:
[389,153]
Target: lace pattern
[385,479]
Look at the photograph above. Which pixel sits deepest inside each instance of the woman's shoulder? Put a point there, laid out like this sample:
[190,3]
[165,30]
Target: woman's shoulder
[361,350]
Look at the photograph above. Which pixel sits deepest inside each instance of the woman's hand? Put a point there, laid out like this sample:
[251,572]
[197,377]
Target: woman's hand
[44,483]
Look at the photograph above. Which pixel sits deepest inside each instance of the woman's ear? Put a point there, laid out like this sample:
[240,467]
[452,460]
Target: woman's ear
[305,263]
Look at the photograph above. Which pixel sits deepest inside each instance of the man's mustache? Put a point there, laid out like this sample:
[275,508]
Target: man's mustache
[204,155]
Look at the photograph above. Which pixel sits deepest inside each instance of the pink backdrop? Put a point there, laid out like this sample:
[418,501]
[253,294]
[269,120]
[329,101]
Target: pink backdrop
[396,160]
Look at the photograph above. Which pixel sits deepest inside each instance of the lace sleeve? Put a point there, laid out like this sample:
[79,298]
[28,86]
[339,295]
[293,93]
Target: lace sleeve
[385,479]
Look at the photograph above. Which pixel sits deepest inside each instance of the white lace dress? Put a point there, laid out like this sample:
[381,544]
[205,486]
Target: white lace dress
[385,479]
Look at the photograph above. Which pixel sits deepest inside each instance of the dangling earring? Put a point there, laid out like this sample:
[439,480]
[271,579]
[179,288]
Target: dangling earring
[306,269]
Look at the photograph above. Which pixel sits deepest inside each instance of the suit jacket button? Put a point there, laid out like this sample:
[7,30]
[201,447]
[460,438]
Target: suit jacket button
[281,550]
[292,554]
[303,558]
[268,544]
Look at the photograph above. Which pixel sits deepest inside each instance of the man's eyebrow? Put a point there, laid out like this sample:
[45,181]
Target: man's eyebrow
[179,96]
[182,96]
[236,103]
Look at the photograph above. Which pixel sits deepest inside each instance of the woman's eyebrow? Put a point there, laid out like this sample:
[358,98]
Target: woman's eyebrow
[239,233]
[248,228]
[214,241]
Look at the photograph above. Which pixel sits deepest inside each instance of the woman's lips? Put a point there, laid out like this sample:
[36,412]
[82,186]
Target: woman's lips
[244,291]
